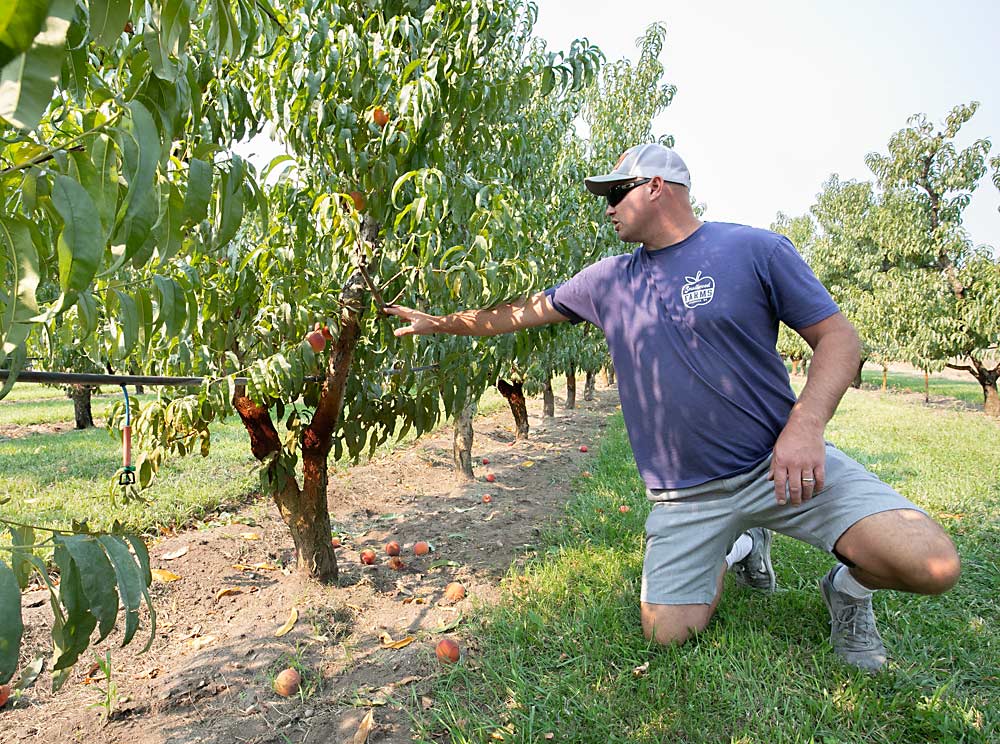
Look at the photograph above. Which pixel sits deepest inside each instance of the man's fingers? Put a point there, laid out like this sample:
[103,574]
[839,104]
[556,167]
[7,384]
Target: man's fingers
[780,478]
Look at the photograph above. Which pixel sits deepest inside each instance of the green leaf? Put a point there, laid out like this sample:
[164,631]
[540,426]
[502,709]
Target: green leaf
[20,22]
[28,80]
[21,540]
[199,192]
[80,621]
[140,145]
[20,304]
[142,554]
[128,317]
[130,585]
[80,245]
[97,578]
[11,625]
[107,20]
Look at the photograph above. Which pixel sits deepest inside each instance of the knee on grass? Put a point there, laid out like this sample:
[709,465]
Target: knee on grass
[674,624]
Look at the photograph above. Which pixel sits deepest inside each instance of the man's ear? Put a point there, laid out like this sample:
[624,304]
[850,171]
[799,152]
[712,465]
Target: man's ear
[657,188]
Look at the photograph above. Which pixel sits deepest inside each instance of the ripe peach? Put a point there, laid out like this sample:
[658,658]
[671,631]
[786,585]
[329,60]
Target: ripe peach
[490,478]
[4,695]
[287,682]
[392,548]
[421,548]
[335,542]
[583,448]
[316,341]
[487,499]
[624,509]
[325,330]
[380,117]
[396,563]
[448,651]
[359,200]
[368,556]
[486,461]
[454,591]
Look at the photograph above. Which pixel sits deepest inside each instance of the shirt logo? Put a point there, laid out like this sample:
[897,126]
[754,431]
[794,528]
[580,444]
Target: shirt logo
[697,290]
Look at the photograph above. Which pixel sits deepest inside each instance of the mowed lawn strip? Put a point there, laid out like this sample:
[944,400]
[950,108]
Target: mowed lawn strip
[559,654]
[53,479]
[968,391]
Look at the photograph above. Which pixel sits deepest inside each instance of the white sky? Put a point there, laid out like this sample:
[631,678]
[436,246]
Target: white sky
[774,96]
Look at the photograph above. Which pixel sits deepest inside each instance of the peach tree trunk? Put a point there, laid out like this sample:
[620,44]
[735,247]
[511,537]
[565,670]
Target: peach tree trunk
[82,414]
[462,441]
[304,509]
[514,393]
[548,400]
[571,388]
[589,385]
[857,377]
[987,379]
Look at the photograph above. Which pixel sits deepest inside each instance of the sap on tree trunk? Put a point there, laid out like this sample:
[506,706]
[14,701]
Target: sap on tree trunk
[588,386]
[571,388]
[548,400]
[514,393]
[462,441]
[82,414]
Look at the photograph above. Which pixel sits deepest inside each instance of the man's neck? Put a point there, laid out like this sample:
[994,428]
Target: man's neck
[671,233]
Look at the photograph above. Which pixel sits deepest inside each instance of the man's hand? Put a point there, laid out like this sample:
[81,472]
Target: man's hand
[420,323]
[798,466]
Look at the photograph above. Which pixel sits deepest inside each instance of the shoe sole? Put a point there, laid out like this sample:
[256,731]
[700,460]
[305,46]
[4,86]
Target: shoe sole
[772,579]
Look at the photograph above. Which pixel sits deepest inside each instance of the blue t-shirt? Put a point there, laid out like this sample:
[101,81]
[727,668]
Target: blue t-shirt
[692,330]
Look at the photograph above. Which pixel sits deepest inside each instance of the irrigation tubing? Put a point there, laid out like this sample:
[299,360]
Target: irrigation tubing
[56,378]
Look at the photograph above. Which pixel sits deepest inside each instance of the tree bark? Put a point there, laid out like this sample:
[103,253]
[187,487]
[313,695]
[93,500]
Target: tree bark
[588,386]
[571,388]
[857,377]
[927,387]
[987,381]
[611,375]
[305,509]
[82,414]
[462,441]
[514,393]
[885,378]
[548,400]
[795,367]
[605,377]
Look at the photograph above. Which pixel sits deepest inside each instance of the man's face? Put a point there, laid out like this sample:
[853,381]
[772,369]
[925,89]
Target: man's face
[628,214]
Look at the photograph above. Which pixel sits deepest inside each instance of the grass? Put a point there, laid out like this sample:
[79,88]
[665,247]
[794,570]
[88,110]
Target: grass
[52,479]
[556,655]
[968,391]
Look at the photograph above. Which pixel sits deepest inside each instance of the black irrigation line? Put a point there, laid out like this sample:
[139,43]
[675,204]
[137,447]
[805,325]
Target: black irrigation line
[152,380]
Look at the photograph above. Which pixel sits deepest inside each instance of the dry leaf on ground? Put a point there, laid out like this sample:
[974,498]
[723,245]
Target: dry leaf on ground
[161,574]
[364,728]
[293,618]
[173,555]
[228,592]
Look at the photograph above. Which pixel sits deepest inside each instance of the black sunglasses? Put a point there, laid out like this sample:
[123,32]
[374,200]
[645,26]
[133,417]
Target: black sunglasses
[618,192]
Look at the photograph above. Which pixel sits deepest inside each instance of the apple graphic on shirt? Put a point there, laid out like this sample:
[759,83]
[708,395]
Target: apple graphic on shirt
[697,290]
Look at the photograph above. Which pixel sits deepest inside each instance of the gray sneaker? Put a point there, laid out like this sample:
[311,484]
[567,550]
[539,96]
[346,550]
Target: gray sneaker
[755,571]
[853,633]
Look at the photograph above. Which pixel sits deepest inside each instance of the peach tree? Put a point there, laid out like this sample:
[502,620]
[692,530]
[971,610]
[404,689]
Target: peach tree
[115,118]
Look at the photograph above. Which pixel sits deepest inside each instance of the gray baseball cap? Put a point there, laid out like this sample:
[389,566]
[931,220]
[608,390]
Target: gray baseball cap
[642,161]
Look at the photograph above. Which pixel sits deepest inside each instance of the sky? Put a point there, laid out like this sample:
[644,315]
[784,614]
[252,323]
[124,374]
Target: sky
[774,96]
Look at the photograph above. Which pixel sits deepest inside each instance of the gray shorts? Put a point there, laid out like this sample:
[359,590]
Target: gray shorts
[690,530]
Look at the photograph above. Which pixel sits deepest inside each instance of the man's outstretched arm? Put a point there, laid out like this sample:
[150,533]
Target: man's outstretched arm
[525,313]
